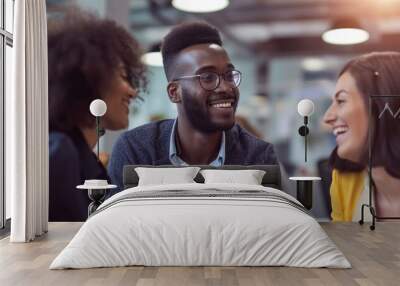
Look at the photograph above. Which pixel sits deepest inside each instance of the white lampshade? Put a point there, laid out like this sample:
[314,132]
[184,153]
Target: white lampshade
[305,107]
[153,59]
[313,64]
[200,6]
[345,32]
[98,107]
[348,36]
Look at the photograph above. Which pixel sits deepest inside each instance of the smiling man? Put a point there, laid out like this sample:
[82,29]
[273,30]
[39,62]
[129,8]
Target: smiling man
[203,83]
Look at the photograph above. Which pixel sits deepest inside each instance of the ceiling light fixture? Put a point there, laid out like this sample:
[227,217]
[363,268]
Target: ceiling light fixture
[197,6]
[153,57]
[313,64]
[345,32]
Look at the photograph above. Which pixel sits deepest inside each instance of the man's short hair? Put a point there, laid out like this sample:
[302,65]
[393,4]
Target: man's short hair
[183,36]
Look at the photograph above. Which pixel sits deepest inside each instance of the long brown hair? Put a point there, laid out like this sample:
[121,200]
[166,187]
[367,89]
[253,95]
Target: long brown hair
[378,74]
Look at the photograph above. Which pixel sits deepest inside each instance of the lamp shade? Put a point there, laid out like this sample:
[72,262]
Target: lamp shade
[98,107]
[153,56]
[197,6]
[153,59]
[305,107]
[345,32]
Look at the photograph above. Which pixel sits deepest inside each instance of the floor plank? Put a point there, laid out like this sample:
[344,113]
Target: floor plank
[374,255]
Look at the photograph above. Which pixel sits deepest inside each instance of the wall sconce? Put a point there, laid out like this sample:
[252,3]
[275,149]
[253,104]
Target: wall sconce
[305,108]
[98,108]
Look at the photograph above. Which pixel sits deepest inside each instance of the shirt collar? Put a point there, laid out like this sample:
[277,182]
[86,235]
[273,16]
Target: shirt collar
[177,161]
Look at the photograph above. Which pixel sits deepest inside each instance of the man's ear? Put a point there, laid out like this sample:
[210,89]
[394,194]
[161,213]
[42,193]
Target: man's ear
[174,92]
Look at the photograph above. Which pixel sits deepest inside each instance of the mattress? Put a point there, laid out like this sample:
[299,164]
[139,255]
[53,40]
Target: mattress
[201,225]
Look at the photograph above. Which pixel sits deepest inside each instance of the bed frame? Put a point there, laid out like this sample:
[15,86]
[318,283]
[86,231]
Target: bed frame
[272,177]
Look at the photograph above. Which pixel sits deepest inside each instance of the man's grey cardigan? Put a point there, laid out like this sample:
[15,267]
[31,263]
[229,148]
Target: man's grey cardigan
[149,145]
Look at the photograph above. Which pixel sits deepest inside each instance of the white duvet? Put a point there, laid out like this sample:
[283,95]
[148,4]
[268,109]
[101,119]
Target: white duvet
[206,230]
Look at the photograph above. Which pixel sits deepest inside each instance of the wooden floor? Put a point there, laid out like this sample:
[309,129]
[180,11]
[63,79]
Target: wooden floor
[374,255]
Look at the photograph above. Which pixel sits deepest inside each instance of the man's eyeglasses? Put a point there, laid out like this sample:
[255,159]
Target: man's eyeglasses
[211,80]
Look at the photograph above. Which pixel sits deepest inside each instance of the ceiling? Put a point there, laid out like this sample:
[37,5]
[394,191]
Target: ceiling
[272,27]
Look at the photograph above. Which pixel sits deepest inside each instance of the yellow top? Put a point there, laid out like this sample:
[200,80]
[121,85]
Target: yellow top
[346,189]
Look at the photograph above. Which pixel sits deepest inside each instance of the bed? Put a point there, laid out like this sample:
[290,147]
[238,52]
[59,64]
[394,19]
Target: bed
[201,224]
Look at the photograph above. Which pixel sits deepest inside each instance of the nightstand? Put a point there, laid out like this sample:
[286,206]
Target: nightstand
[97,190]
[304,190]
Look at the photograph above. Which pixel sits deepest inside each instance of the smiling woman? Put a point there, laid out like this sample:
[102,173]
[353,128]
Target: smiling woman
[89,58]
[372,76]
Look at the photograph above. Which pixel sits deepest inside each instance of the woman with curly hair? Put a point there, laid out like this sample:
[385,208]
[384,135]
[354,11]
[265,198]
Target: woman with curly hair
[88,58]
[374,74]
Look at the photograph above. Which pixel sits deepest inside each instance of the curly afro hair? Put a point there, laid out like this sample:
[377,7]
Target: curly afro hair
[183,36]
[83,52]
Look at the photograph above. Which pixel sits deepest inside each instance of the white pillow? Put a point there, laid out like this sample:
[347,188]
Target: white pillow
[164,176]
[248,177]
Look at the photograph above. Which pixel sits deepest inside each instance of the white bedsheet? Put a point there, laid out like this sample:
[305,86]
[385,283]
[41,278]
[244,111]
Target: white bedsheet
[185,231]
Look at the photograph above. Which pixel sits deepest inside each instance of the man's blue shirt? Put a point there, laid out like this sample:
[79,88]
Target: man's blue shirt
[177,161]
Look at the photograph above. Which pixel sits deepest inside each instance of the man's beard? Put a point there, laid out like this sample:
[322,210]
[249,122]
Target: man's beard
[199,118]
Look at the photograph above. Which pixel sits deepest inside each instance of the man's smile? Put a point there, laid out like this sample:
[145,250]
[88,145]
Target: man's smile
[222,103]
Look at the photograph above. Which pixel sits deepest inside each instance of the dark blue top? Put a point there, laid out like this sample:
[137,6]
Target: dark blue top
[149,145]
[71,163]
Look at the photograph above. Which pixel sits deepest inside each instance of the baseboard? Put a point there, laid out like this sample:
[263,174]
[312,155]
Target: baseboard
[5,231]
